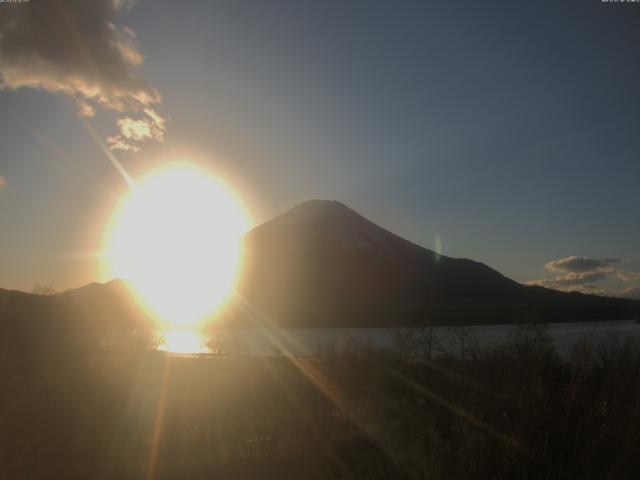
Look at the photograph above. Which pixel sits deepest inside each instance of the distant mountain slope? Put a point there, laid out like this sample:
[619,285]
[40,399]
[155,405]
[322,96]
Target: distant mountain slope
[96,306]
[321,263]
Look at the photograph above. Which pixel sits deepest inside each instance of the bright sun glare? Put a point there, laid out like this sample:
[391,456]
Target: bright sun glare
[176,238]
[182,341]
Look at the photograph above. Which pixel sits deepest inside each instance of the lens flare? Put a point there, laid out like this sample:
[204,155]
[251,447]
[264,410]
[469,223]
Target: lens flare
[176,238]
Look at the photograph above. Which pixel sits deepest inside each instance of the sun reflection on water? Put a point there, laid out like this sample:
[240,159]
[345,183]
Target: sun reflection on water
[182,342]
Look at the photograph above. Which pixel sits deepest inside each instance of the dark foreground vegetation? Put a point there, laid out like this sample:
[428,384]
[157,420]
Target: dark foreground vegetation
[72,410]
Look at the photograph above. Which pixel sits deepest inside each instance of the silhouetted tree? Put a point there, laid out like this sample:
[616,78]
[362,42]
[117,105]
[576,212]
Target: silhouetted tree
[459,336]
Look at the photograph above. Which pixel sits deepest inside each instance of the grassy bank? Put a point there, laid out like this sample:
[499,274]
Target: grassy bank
[72,410]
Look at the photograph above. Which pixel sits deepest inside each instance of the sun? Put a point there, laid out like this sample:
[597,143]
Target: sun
[175,237]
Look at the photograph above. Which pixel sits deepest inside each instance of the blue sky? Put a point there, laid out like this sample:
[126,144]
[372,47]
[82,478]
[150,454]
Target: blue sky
[505,131]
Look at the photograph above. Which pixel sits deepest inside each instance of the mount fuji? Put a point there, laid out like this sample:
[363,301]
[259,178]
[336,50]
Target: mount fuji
[322,263]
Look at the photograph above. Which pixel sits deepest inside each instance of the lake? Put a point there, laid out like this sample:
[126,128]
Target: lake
[310,341]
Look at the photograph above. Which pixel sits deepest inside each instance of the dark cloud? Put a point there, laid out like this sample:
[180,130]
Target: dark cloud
[582,264]
[75,47]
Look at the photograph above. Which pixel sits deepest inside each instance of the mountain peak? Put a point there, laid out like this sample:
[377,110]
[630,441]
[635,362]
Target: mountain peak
[310,215]
[316,203]
[315,208]
[328,224]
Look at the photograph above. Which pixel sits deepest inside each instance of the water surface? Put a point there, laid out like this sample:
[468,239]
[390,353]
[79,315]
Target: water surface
[311,341]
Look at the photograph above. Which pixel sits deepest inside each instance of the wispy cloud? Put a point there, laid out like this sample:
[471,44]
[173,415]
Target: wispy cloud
[76,48]
[3,182]
[580,274]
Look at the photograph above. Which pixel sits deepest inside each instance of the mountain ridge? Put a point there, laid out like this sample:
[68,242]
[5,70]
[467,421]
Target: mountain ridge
[321,263]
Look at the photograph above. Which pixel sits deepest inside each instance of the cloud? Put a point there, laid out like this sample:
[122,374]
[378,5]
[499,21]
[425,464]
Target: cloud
[3,182]
[632,292]
[579,274]
[574,279]
[628,276]
[580,282]
[75,48]
[131,130]
[118,142]
[542,282]
[581,264]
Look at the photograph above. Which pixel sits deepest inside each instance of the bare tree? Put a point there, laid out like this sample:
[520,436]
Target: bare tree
[429,342]
[405,341]
[460,337]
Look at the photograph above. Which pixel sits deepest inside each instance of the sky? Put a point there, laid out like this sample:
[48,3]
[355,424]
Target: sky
[505,132]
